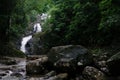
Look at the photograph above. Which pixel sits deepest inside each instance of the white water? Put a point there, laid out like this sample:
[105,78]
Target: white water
[37,28]
[24,42]
[44,16]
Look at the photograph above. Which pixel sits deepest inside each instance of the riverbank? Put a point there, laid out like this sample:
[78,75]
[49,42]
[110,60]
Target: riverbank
[67,62]
[12,68]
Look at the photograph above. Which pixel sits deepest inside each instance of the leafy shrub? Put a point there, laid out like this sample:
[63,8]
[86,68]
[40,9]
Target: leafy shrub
[84,22]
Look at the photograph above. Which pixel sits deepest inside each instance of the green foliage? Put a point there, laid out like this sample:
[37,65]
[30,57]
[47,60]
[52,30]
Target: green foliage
[38,5]
[34,7]
[87,22]
[18,21]
[84,24]
[110,21]
[97,51]
[71,20]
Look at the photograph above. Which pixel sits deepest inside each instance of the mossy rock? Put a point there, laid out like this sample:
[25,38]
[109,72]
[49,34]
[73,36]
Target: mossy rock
[77,52]
[9,50]
[35,45]
[69,58]
[16,53]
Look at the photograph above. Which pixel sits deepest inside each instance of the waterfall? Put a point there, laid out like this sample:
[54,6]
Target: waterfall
[44,16]
[36,28]
[24,42]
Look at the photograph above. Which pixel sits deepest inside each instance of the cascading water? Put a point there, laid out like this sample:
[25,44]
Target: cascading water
[37,28]
[24,42]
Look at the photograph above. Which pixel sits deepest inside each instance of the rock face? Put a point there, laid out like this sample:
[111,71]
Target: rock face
[91,73]
[114,64]
[35,45]
[68,58]
[29,47]
[36,66]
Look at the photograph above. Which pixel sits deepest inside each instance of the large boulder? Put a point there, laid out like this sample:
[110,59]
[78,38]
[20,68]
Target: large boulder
[35,45]
[36,66]
[68,58]
[114,64]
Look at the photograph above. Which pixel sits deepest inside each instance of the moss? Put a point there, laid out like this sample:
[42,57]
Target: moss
[16,53]
[38,43]
[9,50]
[97,51]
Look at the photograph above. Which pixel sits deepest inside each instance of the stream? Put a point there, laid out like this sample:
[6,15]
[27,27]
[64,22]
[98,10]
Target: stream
[17,71]
[13,71]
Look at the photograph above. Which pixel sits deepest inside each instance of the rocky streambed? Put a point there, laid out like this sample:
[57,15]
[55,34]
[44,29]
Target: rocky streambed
[70,62]
[12,68]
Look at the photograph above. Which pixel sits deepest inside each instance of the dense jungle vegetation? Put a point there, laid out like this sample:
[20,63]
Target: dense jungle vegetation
[84,22]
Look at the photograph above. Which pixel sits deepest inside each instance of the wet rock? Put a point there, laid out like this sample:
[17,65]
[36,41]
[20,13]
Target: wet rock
[11,78]
[17,74]
[68,58]
[102,63]
[34,57]
[91,73]
[114,64]
[62,76]
[100,58]
[102,66]
[65,65]
[52,73]
[3,74]
[29,47]
[51,76]
[46,76]
[8,61]
[36,66]
[13,72]
[9,72]
[5,68]
[35,45]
